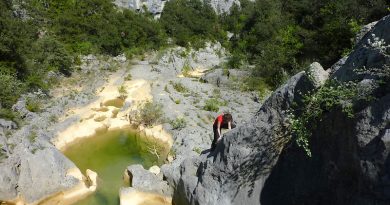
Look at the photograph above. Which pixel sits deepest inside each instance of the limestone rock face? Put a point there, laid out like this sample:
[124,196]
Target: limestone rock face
[49,182]
[223,6]
[318,74]
[258,163]
[156,7]
[6,124]
[372,52]
[146,181]
[363,31]
[28,173]
[220,77]
[236,171]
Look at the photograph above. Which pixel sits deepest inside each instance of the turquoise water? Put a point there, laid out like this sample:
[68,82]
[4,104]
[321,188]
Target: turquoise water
[108,154]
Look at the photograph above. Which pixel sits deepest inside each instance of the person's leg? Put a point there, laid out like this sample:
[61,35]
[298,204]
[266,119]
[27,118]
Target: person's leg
[216,136]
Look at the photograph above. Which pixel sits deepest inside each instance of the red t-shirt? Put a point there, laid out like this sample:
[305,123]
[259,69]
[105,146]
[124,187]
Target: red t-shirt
[218,119]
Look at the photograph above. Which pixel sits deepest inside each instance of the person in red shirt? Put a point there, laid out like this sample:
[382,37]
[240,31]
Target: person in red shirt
[222,121]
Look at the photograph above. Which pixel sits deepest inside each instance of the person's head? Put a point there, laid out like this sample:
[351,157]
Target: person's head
[227,117]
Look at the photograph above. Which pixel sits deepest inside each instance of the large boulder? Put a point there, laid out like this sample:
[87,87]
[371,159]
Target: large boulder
[20,172]
[318,75]
[363,31]
[350,157]
[372,53]
[221,77]
[146,181]
[236,171]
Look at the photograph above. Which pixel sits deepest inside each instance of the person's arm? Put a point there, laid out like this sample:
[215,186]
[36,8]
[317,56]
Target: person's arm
[230,125]
[219,130]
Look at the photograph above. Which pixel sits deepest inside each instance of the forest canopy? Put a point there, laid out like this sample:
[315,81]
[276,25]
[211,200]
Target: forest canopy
[277,37]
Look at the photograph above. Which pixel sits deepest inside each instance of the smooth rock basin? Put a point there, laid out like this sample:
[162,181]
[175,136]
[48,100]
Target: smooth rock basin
[108,154]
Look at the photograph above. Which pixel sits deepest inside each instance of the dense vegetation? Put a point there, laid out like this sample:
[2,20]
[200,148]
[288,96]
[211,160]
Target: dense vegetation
[278,37]
[281,37]
[190,22]
[42,37]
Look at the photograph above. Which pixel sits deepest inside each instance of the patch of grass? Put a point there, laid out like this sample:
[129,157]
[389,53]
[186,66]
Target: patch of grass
[256,84]
[197,150]
[34,150]
[10,115]
[11,146]
[112,68]
[33,105]
[183,53]
[178,124]
[217,93]
[128,77]
[53,118]
[3,155]
[179,87]
[202,80]
[213,105]
[177,101]
[122,92]
[226,72]
[172,152]
[186,69]
[33,137]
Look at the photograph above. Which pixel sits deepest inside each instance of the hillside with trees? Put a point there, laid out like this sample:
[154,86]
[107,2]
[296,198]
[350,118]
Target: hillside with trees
[279,38]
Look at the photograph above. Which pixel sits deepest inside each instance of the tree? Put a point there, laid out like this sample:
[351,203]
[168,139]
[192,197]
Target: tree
[190,22]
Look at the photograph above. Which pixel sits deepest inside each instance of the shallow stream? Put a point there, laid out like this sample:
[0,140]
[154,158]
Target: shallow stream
[108,154]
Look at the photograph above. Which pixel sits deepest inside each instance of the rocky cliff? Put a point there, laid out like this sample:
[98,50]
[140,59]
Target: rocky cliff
[156,7]
[260,163]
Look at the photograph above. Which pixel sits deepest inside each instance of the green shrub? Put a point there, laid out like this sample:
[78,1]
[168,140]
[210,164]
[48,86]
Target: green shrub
[51,54]
[178,124]
[10,115]
[179,87]
[213,105]
[328,97]
[122,92]
[128,77]
[172,152]
[256,84]
[149,114]
[33,105]
[33,137]
[217,93]
[3,155]
[84,47]
[186,70]
[197,150]
[11,88]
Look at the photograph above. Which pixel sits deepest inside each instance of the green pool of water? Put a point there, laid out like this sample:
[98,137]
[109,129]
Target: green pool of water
[109,154]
